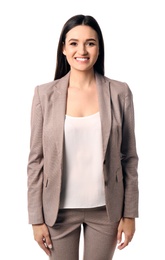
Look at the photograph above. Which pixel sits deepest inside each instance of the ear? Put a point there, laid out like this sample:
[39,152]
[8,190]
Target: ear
[63,48]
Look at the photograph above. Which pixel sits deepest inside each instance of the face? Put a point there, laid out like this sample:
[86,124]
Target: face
[81,47]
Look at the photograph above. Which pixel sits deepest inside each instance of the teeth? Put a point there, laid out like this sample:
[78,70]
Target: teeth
[81,59]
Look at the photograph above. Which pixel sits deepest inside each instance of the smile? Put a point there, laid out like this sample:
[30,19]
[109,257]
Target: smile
[82,59]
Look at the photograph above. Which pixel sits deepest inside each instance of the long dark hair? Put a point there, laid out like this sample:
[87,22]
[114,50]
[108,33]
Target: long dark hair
[62,66]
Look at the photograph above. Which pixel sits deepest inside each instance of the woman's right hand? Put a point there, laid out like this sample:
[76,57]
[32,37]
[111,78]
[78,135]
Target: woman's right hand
[42,237]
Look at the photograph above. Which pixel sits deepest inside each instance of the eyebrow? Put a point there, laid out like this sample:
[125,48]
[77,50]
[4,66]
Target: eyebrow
[90,39]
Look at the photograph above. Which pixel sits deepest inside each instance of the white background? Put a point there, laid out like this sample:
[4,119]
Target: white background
[135,53]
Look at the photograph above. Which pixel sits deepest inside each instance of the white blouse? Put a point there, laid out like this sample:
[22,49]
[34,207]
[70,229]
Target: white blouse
[82,183]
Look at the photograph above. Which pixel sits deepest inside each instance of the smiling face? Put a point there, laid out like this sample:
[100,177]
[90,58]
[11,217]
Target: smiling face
[81,48]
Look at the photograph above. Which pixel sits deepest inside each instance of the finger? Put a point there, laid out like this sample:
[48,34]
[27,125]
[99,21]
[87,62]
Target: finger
[123,244]
[119,237]
[48,241]
[130,239]
[44,246]
[44,242]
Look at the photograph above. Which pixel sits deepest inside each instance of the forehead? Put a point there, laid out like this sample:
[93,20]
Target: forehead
[81,32]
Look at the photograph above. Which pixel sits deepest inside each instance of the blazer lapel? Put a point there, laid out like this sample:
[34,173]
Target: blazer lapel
[59,108]
[103,88]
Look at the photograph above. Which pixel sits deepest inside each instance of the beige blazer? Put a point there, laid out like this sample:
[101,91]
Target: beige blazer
[45,164]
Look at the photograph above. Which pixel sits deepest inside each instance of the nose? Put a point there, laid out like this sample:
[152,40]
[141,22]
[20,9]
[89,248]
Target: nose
[82,49]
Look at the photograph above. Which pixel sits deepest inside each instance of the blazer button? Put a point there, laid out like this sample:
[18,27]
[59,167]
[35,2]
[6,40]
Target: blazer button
[104,162]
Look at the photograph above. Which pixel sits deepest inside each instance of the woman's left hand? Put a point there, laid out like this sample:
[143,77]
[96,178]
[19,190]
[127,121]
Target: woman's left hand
[126,227]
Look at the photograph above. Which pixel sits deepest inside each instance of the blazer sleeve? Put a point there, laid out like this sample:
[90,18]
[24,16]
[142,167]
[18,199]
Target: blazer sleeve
[35,163]
[129,158]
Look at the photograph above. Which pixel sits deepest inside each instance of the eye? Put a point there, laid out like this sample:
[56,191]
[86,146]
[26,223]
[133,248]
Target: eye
[73,43]
[91,43]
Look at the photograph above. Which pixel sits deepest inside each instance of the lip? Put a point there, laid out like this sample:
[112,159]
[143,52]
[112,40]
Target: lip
[82,59]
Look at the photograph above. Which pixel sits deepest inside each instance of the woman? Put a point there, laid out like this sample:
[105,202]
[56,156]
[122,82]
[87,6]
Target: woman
[82,168]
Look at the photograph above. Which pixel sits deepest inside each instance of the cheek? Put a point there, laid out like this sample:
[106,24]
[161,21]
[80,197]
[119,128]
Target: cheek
[96,55]
[68,52]
[98,51]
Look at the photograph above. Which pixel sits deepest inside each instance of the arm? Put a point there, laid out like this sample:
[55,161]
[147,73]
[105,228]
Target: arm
[35,163]
[129,165]
[129,159]
[35,177]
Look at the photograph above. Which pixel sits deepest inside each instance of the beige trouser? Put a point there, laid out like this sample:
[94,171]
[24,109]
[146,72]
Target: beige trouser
[100,236]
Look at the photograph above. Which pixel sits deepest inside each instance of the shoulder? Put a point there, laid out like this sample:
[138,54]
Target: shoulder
[116,87]
[46,88]
[44,93]
[119,87]
[54,86]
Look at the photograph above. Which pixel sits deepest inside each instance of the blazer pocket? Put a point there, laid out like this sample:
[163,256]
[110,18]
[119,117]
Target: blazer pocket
[119,174]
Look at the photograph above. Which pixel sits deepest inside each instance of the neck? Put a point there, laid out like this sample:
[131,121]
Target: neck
[82,80]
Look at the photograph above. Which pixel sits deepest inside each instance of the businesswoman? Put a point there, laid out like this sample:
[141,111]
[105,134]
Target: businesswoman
[82,167]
